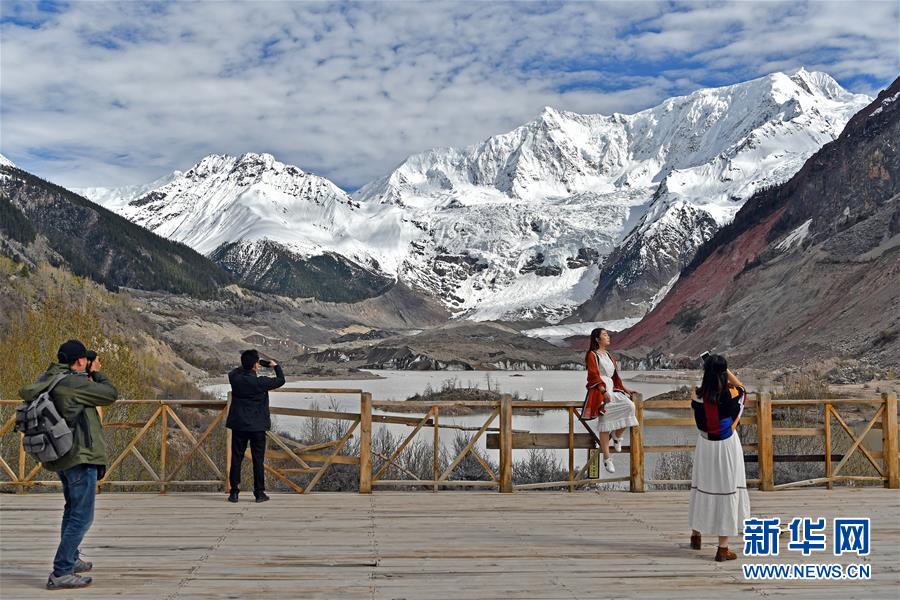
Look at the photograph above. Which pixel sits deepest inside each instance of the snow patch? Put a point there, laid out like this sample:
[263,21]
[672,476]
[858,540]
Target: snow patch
[662,292]
[556,334]
[795,237]
[884,104]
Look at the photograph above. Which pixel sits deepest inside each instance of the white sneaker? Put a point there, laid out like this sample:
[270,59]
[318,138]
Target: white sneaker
[617,444]
[608,464]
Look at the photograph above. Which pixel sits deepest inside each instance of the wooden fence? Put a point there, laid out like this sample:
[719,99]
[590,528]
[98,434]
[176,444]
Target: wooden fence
[163,444]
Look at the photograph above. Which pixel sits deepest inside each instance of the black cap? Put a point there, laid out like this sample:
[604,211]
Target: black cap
[71,351]
[249,358]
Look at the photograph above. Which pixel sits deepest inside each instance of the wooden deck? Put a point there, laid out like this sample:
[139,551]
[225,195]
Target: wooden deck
[423,545]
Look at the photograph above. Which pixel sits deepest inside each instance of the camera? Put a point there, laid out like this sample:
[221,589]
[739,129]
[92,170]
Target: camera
[703,358]
[265,363]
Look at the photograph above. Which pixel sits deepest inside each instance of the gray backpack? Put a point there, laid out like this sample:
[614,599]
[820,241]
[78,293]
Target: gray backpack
[47,435]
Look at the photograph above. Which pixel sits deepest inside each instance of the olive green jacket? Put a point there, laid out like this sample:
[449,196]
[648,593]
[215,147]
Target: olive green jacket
[76,398]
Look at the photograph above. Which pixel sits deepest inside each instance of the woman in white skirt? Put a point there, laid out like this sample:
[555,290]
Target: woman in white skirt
[719,500]
[607,399]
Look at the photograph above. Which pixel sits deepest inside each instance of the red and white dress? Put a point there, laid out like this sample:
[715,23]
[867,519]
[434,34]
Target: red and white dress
[603,376]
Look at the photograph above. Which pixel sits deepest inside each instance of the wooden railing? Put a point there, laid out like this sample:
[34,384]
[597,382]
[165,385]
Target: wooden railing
[164,453]
[884,417]
[157,413]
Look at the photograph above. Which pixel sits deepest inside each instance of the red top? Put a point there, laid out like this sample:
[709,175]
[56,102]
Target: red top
[596,389]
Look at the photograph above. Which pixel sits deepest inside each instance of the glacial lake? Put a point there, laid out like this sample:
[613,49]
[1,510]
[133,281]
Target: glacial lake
[534,385]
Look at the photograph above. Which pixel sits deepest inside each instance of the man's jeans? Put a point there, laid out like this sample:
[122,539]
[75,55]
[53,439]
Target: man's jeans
[79,488]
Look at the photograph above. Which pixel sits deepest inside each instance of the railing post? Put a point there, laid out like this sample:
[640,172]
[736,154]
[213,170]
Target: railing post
[828,468]
[889,441]
[571,449]
[20,489]
[637,446]
[764,433]
[436,458]
[365,443]
[227,473]
[163,447]
[506,483]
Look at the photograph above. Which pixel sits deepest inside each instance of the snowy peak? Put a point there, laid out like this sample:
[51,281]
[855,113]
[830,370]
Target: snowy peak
[273,226]
[519,211]
[227,198]
[821,84]
[562,153]
[5,162]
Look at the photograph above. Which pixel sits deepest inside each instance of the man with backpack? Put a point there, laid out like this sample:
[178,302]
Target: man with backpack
[76,387]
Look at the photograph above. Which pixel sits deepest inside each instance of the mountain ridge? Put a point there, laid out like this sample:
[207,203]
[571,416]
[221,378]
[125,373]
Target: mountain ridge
[533,223]
[40,220]
[808,269]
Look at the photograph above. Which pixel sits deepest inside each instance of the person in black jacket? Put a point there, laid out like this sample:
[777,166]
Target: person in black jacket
[249,420]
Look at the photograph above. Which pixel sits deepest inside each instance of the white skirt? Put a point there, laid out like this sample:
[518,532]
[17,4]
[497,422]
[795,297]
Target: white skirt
[619,414]
[719,498]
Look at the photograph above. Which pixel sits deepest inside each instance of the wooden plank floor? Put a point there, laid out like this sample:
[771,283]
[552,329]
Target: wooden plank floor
[423,545]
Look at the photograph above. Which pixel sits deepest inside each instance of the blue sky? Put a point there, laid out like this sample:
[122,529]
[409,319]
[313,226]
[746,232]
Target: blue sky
[106,94]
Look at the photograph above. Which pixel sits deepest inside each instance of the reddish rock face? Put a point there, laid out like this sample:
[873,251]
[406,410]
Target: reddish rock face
[808,269]
[701,287]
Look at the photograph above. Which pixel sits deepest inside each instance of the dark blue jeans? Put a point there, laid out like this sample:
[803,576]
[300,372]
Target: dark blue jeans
[79,489]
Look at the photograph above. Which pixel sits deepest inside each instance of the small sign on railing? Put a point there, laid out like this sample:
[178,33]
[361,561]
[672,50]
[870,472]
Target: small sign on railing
[594,468]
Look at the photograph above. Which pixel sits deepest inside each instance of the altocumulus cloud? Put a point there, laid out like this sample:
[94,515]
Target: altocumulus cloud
[114,93]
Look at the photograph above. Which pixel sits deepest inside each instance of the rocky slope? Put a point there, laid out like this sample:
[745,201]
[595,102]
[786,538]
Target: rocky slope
[808,269]
[210,333]
[456,346]
[40,221]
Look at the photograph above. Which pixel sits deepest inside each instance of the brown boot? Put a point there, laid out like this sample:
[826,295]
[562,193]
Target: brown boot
[723,554]
[695,541]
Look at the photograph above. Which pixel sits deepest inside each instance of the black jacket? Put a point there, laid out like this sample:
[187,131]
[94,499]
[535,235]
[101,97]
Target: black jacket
[250,399]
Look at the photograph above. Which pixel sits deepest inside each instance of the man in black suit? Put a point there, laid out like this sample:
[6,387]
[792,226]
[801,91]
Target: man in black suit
[249,420]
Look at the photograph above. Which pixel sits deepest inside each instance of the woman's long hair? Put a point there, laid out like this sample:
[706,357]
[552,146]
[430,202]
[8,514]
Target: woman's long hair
[715,378]
[595,338]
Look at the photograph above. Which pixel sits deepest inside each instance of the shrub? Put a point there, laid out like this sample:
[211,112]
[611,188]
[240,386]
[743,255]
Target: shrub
[688,318]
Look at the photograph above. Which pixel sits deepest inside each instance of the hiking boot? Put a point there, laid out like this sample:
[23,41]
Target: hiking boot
[695,541]
[67,582]
[233,496]
[83,566]
[723,554]
[262,497]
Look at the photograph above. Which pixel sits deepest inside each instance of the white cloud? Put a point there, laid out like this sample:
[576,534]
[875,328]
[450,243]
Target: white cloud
[127,91]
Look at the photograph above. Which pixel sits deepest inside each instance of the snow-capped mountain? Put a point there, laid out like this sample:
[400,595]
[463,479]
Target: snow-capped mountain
[514,226]
[524,224]
[5,162]
[260,219]
[225,199]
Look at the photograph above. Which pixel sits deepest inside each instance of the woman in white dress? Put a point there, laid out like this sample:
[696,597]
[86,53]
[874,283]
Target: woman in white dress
[607,399]
[719,500]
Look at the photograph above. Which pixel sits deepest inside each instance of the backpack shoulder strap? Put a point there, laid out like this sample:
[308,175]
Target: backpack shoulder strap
[55,381]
